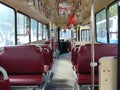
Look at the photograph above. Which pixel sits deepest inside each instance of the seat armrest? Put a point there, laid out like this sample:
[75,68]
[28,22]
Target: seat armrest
[4,73]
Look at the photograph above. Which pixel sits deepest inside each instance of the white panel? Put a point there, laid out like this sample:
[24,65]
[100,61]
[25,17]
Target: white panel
[108,73]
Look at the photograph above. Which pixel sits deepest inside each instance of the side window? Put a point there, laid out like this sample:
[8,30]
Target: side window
[113,23]
[40,31]
[33,30]
[45,32]
[65,34]
[22,29]
[109,34]
[7,26]
[101,30]
[85,36]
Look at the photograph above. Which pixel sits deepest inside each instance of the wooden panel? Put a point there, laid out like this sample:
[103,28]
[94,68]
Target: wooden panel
[108,73]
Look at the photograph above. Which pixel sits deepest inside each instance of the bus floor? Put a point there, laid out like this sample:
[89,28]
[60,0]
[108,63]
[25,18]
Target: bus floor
[64,77]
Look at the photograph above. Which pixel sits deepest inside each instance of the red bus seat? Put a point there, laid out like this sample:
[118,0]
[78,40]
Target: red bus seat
[84,59]
[48,55]
[74,56]
[24,64]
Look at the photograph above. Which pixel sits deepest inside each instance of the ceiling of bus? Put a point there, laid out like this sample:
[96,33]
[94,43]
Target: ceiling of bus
[60,10]
[82,11]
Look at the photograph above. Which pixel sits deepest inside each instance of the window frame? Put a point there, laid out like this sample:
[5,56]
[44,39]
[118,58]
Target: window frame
[107,22]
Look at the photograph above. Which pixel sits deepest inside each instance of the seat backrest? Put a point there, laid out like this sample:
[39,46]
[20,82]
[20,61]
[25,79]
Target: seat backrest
[74,54]
[100,50]
[22,60]
[47,50]
[46,55]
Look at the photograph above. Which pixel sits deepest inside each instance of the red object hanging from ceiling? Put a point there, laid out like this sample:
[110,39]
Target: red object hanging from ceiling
[73,19]
[70,18]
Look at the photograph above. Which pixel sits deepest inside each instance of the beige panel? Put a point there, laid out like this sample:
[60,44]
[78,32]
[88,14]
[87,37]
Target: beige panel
[108,73]
[87,26]
[82,42]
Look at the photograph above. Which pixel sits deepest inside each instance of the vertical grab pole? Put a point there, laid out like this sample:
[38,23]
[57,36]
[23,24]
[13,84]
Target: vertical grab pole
[92,64]
[118,72]
[50,34]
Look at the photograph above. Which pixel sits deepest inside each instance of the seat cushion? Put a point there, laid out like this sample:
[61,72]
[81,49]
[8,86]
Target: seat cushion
[85,79]
[23,80]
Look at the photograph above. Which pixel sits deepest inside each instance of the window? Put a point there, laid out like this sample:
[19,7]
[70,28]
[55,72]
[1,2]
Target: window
[22,29]
[45,32]
[113,24]
[101,30]
[40,31]
[44,29]
[65,34]
[7,26]
[74,34]
[85,35]
[33,30]
[110,34]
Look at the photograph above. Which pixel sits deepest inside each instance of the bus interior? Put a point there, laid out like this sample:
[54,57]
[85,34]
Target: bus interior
[59,44]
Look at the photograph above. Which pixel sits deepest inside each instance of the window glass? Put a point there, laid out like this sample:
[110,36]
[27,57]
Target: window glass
[40,31]
[33,30]
[65,34]
[113,38]
[7,26]
[113,23]
[74,34]
[44,32]
[22,29]
[101,26]
[85,35]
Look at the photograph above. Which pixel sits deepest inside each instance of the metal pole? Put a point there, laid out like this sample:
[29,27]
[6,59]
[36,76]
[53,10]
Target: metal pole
[77,32]
[92,43]
[118,72]
[50,34]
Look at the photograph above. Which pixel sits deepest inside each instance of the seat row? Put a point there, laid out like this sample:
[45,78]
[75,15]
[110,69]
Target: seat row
[26,65]
[81,59]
